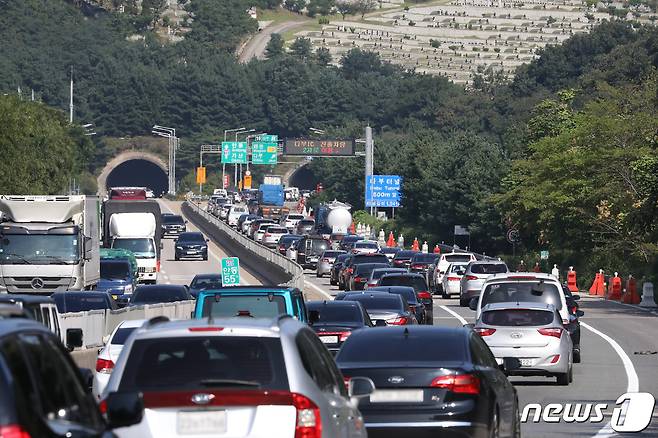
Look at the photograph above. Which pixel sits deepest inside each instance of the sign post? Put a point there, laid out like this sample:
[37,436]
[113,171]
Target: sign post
[230,271]
[383,190]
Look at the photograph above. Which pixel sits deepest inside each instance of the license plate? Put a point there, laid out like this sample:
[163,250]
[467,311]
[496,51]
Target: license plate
[201,422]
[397,395]
[191,252]
[527,362]
[329,339]
[313,259]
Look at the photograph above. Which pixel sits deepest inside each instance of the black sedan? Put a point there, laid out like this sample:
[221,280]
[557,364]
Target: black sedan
[402,259]
[191,245]
[421,262]
[335,269]
[573,326]
[417,281]
[455,389]
[204,282]
[409,294]
[359,277]
[159,293]
[334,321]
[384,308]
[82,301]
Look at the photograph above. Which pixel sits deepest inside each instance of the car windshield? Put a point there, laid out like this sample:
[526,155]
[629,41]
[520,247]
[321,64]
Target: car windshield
[517,317]
[121,335]
[151,295]
[206,283]
[191,237]
[277,230]
[418,283]
[373,347]
[204,363]
[488,268]
[336,314]
[115,270]
[143,248]
[257,306]
[378,273]
[457,269]
[171,219]
[533,292]
[458,258]
[79,302]
[378,302]
[39,249]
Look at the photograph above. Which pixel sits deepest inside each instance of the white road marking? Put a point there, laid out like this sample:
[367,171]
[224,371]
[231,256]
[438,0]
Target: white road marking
[633,384]
[453,313]
[317,288]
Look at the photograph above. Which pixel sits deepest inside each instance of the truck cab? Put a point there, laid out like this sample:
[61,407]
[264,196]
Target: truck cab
[136,232]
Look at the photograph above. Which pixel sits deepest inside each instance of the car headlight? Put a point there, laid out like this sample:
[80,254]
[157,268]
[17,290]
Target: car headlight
[179,247]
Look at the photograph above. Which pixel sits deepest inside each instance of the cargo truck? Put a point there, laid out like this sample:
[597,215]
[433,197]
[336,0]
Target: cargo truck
[271,198]
[135,226]
[49,243]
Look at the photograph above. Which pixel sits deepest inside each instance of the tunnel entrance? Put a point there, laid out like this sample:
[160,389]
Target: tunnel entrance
[139,173]
[303,179]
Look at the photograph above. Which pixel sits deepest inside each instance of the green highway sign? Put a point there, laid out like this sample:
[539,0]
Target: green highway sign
[234,152]
[269,138]
[263,152]
[543,255]
[231,271]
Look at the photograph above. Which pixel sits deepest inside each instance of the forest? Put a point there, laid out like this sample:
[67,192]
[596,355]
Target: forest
[565,152]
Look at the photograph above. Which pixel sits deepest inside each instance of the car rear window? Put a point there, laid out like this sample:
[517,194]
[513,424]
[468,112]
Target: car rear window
[457,269]
[205,363]
[366,268]
[78,302]
[152,296]
[306,223]
[417,283]
[488,268]
[206,283]
[404,255]
[367,245]
[424,258]
[277,230]
[534,292]
[378,302]
[370,258]
[410,349]
[258,306]
[458,258]
[517,317]
[171,219]
[331,313]
[332,253]
[121,335]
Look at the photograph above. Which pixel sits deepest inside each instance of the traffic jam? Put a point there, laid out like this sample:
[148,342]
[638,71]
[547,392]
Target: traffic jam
[265,361]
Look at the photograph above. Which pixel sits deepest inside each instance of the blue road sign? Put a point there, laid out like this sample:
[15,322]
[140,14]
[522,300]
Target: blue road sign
[383,190]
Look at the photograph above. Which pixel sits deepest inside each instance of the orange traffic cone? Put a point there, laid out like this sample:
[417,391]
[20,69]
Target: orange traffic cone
[614,290]
[598,286]
[352,229]
[437,250]
[571,280]
[391,240]
[415,246]
[631,296]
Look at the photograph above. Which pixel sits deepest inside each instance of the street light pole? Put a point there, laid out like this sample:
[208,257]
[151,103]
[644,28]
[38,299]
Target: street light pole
[226,131]
[235,180]
[170,133]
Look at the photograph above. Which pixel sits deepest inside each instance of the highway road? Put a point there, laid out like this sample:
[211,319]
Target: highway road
[617,342]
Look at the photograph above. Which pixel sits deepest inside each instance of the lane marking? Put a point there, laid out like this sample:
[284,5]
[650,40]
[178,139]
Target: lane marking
[317,288]
[453,313]
[633,384]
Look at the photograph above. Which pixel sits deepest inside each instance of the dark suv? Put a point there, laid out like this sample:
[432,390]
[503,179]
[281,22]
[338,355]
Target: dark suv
[309,250]
[42,392]
[173,225]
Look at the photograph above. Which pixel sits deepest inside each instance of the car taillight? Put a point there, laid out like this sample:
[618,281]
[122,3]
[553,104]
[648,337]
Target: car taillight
[471,277]
[555,332]
[485,331]
[267,235]
[416,266]
[13,431]
[104,366]
[424,295]
[555,359]
[325,260]
[309,422]
[453,279]
[344,336]
[400,320]
[458,383]
[359,279]
[574,309]
[349,270]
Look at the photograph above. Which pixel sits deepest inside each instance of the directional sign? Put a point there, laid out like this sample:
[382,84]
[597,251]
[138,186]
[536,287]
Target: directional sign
[269,138]
[234,152]
[263,152]
[543,255]
[319,148]
[383,190]
[230,271]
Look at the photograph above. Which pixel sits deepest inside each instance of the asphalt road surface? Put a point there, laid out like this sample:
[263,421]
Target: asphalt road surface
[255,48]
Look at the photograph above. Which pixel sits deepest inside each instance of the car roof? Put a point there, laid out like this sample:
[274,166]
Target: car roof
[526,305]
[385,333]
[132,323]
[404,274]
[488,262]
[160,286]
[76,293]
[521,276]
[389,288]
[25,298]
[250,289]
[9,326]
[392,270]
[332,303]
[211,276]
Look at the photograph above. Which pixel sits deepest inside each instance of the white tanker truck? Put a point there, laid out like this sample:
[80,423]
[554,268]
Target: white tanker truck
[333,218]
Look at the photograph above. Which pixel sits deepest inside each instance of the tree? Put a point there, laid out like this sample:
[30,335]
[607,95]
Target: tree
[365,6]
[322,7]
[295,5]
[153,9]
[301,48]
[322,56]
[345,7]
[274,46]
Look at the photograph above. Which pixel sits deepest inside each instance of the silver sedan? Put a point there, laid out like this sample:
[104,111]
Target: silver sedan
[532,333]
[326,262]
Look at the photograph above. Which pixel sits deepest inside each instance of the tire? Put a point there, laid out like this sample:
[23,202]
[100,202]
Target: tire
[495,424]
[176,258]
[563,379]
[463,302]
[205,259]
[576,354]
[332,282]
[516,427]
[317,274]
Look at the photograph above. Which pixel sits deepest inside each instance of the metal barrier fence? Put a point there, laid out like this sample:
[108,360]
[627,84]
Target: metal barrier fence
[97,324]
[295,271]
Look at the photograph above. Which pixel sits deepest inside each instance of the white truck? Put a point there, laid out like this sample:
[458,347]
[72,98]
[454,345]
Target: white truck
[136,232]
[49,243]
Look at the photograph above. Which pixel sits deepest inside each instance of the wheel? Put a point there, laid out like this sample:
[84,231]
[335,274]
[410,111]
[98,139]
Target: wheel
[333,282]
[571,374]
[563,379]
[176,258]
[341,286]
[205,258]
[495,424]
[576,354]
[463,302]
[516,427]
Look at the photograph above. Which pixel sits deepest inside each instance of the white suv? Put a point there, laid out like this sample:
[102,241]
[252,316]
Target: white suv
[235,377]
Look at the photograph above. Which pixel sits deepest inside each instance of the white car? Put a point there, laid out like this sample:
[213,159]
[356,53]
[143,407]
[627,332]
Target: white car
[291,220]
[109,354]
[246,225]
[272,235]
[258,235]
[365,247]
[444,262]
[452,278]
[223,210]
[234,214]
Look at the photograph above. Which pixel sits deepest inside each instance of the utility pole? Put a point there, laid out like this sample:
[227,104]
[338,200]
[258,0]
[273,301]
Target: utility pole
[369,156]
[71,99]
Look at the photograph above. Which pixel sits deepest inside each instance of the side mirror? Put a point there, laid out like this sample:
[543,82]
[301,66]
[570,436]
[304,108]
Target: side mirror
[73,338]
[124,409]
[473,304]
[360,387]
[313,316]
[510,364]
[380,323]
[579,313]
[575,297]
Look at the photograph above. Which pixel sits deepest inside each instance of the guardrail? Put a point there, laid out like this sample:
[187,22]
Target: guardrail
[97,324]
[294,270]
